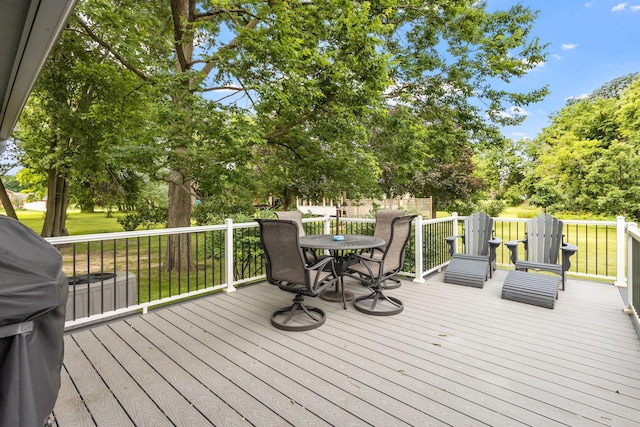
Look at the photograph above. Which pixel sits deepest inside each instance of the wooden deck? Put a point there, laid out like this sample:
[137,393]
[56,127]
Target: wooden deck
[455,356]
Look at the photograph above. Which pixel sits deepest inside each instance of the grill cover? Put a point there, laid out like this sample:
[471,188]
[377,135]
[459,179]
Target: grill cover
[33,296]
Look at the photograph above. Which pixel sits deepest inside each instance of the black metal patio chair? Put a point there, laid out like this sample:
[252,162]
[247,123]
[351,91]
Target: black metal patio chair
[288,269]
[373,271]
[384,218]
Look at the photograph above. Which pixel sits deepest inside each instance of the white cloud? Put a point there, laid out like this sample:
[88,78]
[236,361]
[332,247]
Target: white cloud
[534,65]
[634,8]
[619,7]
[588,4]
[556,56]
[511,112]
[520,135]
[518,111]
[568,46]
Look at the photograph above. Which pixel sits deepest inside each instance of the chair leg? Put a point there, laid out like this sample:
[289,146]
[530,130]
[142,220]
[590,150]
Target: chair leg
[316,315]
[377,303]
[395,285]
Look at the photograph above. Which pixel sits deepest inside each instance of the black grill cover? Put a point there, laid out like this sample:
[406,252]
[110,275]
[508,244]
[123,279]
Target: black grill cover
[33,297]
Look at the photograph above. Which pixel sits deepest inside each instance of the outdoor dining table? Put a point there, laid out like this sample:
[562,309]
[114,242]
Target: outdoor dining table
[340,247]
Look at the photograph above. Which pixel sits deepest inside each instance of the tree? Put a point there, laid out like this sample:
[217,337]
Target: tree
[80,106]
[8,161]
[503,168]
[296,80]
[292,66]
[614,88]
[588,158]
[293,90]
[453,65]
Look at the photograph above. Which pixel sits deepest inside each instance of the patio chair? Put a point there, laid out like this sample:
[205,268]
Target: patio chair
[373,271]
[543,243]
[287,268]
[310,254]
[477,262]
[384,218]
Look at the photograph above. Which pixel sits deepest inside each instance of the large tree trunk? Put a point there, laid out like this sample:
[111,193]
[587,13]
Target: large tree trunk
[178,254]
[57,202]
[434,207]
[6,202]
[286,200]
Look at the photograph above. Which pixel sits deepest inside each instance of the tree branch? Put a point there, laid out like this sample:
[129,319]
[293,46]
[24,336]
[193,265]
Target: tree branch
[283,130]
[128,65]
[215,13]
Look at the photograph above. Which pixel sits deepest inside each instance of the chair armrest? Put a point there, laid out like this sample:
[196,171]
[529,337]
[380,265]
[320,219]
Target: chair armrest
[360,257]
[322,264]
[493,245]
[567,251]
[450,240]
[370,252]
[512,245]
[366,260]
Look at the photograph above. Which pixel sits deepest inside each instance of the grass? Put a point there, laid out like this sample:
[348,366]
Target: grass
[78,223]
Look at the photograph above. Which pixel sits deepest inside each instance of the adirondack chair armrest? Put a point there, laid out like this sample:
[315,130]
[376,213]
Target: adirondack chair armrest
[493,245]
[512,245]
[450,240]
[567,251]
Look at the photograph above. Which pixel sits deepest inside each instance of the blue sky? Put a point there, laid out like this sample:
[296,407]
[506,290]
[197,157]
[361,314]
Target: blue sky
[590,43]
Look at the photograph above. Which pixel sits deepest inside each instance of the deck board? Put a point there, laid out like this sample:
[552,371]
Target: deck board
[455,356]
[336,386]
[199,374]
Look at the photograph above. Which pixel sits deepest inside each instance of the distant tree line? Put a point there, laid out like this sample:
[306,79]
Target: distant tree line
[586,161]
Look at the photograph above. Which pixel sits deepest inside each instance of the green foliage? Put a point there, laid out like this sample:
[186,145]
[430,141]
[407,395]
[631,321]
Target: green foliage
[147,214]
[588,159]
[492,208]
[503,167]
[11,183]
[614,88]
[83,113]
[247,248]
[214,211]
[229,101]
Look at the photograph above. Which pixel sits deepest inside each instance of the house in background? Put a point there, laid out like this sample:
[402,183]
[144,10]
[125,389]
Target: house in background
[17,199]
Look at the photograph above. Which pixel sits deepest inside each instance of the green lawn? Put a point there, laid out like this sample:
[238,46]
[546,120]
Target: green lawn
[78,223]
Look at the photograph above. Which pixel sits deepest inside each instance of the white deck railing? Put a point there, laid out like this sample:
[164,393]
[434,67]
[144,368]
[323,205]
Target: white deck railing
[221,257]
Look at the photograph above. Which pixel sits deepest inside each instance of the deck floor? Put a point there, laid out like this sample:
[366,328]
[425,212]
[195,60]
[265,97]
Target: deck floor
[455,356]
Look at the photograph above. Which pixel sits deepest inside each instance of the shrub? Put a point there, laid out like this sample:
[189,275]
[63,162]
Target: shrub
[147,214]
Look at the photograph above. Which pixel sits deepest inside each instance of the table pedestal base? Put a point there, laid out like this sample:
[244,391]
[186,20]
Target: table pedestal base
[336,296]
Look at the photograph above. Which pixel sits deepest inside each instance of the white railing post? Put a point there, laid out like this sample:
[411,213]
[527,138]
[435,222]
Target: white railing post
[455,231]
[327,224]
[418,250]
[621,228]
[228,247]
[633,229]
